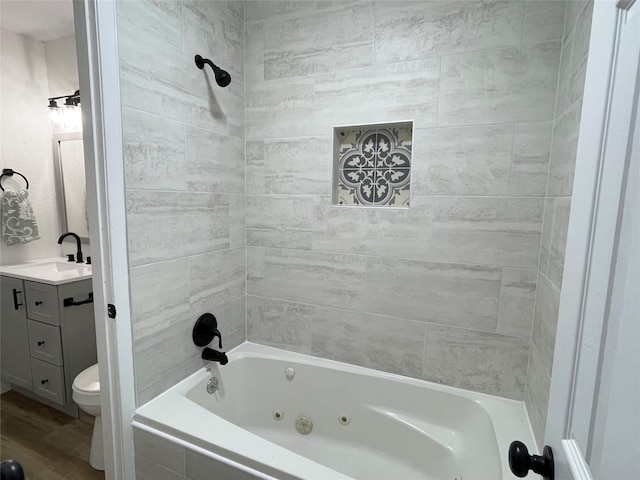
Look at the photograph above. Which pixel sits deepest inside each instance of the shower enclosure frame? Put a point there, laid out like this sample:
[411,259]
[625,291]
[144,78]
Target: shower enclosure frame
[97,46]
[98,72]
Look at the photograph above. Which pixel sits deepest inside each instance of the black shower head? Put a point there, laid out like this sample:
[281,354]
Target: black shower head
[222,76]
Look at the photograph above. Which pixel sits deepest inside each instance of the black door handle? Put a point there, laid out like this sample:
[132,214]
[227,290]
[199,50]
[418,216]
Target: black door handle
[69,302]
[520,462]
[15,299]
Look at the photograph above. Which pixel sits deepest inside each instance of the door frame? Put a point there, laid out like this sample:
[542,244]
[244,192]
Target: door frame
[596,207]
[98,71]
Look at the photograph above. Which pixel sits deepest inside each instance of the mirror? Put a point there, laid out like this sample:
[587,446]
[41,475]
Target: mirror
[70,184]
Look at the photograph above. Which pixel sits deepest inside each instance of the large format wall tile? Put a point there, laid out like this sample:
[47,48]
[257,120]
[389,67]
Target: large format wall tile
[232,321]
[216,278]
[159,450]
[237,215]
[480,361]
[333,38]
[214,29]
[319,278]
[404,91]
[554,238]
[148,470]
[214,162]
[462,160]
[543,21]
[498,86]
[253,53]
[558,245]
[574,60]
[258,10]
[161,21]
[531,150]
[280,220]
[401,233]
[517,301]
[563,152]
[166,225]
[255,270]
[446,293]
[488,231]
[161,292]
[154,152]
[536,395]
[368,340]
[545,321]
[163,359]
[280,107]
[299,165]
[413,30]
[279,323]
[167,84]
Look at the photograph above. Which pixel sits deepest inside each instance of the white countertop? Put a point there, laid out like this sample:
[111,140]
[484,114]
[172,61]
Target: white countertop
[53,271]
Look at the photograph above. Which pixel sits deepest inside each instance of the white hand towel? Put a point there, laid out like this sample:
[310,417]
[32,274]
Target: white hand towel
[18,221]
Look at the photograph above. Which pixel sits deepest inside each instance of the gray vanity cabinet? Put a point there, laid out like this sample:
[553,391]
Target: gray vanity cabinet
[49,338]
[15,365]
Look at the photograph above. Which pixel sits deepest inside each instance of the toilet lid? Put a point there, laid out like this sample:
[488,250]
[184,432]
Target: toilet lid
[88,380]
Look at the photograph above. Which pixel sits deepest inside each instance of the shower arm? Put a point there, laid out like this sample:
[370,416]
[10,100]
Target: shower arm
[222,76]
[201,61]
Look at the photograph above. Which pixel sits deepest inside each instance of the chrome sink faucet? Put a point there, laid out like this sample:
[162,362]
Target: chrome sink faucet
[79,258]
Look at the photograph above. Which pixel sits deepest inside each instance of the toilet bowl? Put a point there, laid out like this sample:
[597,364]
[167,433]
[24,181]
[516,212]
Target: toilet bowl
[86,393]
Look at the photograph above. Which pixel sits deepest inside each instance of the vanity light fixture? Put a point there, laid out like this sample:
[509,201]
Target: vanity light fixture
[70,100]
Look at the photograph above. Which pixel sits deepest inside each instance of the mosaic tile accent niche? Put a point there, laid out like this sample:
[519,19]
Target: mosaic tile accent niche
[372,165]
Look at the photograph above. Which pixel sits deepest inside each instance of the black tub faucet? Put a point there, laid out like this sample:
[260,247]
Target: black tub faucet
[204,332]
[79,258]
[214,356]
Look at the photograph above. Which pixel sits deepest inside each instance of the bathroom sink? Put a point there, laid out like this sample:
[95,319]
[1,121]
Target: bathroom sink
[51,271]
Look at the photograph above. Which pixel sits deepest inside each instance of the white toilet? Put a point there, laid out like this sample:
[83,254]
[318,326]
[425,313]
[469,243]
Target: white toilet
[86,393]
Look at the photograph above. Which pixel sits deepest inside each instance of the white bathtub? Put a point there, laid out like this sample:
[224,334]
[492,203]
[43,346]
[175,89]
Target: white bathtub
[366,424]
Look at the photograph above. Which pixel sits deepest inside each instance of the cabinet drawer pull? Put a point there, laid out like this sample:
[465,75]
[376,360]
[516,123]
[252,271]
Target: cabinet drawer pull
[69,302]
[44,381]
[16,305]
[38,303]
[41,343]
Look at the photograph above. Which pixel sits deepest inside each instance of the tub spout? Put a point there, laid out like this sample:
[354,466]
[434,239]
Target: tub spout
[215,356]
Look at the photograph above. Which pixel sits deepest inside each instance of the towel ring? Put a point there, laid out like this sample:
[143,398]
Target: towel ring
[7,172]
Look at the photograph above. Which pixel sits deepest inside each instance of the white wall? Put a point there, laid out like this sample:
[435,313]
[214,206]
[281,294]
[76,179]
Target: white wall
[26,139]
[62,66]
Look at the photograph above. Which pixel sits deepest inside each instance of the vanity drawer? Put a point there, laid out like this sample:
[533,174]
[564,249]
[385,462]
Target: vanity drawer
[42,302]
[44,342]
[48,381]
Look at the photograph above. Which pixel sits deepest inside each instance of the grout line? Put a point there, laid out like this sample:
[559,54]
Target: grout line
[364,312]
[411,259]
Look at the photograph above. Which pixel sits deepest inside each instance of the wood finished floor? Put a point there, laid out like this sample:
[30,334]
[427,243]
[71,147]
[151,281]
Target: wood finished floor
[49,444]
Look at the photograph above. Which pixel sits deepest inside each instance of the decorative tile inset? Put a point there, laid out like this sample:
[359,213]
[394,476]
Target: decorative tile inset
[373,165]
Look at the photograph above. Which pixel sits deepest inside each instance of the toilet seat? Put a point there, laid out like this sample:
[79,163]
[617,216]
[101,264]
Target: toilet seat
[88,381]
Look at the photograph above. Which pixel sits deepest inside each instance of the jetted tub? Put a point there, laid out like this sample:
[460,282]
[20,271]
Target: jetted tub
[363,424]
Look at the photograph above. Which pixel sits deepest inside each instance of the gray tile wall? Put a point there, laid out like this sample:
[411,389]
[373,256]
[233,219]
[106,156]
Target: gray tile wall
[157,458]
[575,44]
[185,183]
[444,291]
